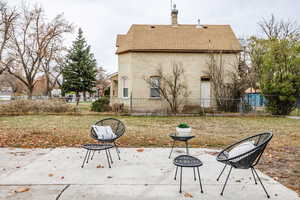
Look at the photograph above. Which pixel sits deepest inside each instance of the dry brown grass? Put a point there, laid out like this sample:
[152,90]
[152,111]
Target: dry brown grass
[281,160]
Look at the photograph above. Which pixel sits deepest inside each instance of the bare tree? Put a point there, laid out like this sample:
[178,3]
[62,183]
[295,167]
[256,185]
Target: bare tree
[172,87]
[255,51]
[228,85]
[52,65]
[7,17]
[102,80]
[31,40]
[274,29]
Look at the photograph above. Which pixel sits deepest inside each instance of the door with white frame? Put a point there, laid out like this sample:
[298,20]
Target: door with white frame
[205,94]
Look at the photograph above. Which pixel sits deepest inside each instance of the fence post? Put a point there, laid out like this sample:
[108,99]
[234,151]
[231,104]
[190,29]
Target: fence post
[131,102]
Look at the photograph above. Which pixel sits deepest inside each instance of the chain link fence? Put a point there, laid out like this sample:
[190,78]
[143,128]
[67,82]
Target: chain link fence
[248,105]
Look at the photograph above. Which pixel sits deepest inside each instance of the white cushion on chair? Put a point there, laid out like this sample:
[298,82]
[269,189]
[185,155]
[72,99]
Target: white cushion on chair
[240,149]
[104,132]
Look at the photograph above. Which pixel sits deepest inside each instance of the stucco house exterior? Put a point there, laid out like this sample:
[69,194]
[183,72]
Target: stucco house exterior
[145,48]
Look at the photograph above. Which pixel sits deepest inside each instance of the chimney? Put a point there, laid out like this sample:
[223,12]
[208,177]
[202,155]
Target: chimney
[174,15]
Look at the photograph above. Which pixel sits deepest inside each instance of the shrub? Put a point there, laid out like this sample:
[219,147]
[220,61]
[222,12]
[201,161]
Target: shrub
[101,105]
[192,109]
[118,107]
[35,106]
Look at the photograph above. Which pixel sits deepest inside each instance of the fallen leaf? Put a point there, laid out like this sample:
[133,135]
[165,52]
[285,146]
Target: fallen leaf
[62,177]
[211,153]
[50,175]
[25,189]
[140,150]
[188,195]
[109,177]
[100,166]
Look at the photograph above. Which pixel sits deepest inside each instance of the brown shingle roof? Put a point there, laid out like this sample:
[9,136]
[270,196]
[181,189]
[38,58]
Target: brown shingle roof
[181,38]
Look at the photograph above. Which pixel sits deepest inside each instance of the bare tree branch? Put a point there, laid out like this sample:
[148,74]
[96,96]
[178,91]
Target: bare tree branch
[281,30]
[227,93]
[172,88]
[7,18]
[32,38]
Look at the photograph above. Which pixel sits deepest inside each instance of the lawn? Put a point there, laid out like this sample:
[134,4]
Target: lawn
[281,160]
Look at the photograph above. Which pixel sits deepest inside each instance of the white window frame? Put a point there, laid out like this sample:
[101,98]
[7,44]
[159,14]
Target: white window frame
[125,86]
[152,78]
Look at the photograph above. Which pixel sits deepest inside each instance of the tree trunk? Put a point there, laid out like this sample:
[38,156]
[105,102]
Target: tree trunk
[84,96]
[30,92]
[48,89]
[77,98]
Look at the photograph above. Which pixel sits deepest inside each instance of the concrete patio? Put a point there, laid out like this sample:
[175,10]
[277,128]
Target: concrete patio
[56,174]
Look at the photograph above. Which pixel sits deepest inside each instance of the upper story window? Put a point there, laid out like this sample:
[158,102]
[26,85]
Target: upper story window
[154,89]
[125,87]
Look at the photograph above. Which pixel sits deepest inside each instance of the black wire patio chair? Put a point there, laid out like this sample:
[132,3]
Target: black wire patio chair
[117,127]
[247,160]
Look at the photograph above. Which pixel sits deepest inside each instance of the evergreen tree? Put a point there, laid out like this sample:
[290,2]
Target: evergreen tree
[79,73]
[280,75]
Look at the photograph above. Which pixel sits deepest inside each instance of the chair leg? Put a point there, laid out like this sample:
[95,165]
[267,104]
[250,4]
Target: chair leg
[194,173]
[261,183]
[221,173]
[226,181]
[180,180]
[87,160]
[200,180]
[87,151]
[110,156]
[253,176]
[107,158]
[176,173]
[187,148]
[117,149]
[172,149]
[93,155]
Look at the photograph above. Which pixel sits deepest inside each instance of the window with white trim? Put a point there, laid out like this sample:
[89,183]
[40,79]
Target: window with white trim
[154,88]
[125,87]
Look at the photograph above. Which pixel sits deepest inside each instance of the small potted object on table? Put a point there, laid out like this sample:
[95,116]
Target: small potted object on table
[183,129]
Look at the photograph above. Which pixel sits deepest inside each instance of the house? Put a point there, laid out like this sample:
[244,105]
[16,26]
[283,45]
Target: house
[6,93]
[145,48]
[40,88]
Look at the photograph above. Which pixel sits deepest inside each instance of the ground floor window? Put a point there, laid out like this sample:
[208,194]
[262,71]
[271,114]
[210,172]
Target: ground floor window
[125,87]
[155,84]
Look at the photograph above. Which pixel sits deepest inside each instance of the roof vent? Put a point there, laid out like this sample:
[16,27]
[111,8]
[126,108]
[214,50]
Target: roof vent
[199,25]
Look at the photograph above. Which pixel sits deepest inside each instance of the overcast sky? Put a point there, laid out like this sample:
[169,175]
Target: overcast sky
[102,20]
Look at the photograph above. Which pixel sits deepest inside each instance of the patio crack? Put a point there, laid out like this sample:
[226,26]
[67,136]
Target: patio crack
[65,188]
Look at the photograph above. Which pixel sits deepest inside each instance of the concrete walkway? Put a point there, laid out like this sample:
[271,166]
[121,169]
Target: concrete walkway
[39,174]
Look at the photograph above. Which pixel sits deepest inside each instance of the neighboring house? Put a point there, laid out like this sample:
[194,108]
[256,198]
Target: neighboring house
[6,93]
[145,48]
[40,88]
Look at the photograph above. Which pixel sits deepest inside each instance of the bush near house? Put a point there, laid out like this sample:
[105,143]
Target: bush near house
[192,109]
[35,107]
[101,105]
